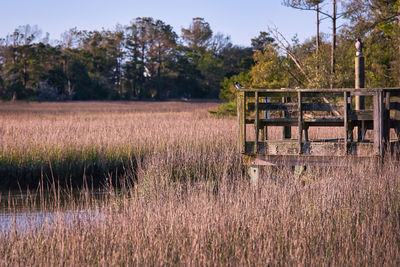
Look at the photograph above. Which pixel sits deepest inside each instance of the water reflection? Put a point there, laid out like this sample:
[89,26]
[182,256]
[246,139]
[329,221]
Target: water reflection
[23,212]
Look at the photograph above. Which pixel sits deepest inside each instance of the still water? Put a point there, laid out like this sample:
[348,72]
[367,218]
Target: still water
[25,212]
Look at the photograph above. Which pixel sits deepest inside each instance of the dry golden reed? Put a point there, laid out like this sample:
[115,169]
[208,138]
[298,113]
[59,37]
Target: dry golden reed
[188,200]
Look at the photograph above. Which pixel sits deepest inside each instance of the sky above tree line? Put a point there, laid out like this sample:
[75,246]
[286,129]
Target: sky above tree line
[242,20]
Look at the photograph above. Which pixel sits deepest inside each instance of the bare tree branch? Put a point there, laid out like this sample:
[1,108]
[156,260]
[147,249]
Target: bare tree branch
[281,39]
[311,9]
[286,47]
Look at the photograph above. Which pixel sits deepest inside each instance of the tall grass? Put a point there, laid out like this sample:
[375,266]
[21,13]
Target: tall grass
[338,217]
[188,202]
[70,140]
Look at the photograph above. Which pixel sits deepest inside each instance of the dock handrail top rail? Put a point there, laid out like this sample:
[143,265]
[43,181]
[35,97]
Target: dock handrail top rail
[324,90]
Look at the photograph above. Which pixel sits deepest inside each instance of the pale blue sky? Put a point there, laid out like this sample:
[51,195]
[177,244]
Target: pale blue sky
[241,19]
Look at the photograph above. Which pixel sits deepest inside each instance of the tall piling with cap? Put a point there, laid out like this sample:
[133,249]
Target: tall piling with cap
[359,83]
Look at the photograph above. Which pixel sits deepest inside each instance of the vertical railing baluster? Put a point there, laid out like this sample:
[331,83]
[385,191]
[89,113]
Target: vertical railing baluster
[300,120]
[386,115]
[256,122]
[267,116]
[378,123]
[241,110]
[346,122]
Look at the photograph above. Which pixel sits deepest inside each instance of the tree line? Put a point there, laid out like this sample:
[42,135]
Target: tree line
[148,59]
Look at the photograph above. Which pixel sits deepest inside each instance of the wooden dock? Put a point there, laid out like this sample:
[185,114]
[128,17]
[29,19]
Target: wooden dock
[302,109]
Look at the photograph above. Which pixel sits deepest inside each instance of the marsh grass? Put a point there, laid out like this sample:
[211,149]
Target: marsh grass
[188,201]
[339,216]
[68,141]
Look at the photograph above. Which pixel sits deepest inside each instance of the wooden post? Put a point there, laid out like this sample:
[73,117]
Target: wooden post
[359,100]
[256,122]
[378,123]
[386,130]
[359,80]
[254,173]
[346,122]
[300,120]
[241,111]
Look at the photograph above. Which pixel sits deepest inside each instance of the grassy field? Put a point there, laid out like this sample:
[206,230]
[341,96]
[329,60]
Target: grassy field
[184,197]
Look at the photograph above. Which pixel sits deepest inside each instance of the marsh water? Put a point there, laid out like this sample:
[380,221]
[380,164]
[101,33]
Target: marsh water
[25,211]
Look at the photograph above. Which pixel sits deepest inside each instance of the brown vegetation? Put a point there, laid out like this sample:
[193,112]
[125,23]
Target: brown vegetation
[189,202]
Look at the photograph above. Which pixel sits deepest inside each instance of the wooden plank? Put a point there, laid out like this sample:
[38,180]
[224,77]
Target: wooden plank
[362,93]
[300,120]
[321,122]
[256,123]
[315,148]
[295,160]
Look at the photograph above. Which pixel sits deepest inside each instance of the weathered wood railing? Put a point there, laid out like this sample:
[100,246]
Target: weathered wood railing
[305,108]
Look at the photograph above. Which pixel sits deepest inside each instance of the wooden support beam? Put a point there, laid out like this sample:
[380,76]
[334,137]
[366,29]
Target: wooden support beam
[300,120]
[321,161]
[378,123]
[359,81]
[256,123]
[360,93]
[346,121]
[386,123]
[241,109]
[319,122]
[330,147]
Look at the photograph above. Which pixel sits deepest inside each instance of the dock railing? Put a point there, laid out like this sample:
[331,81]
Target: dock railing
[306,108]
